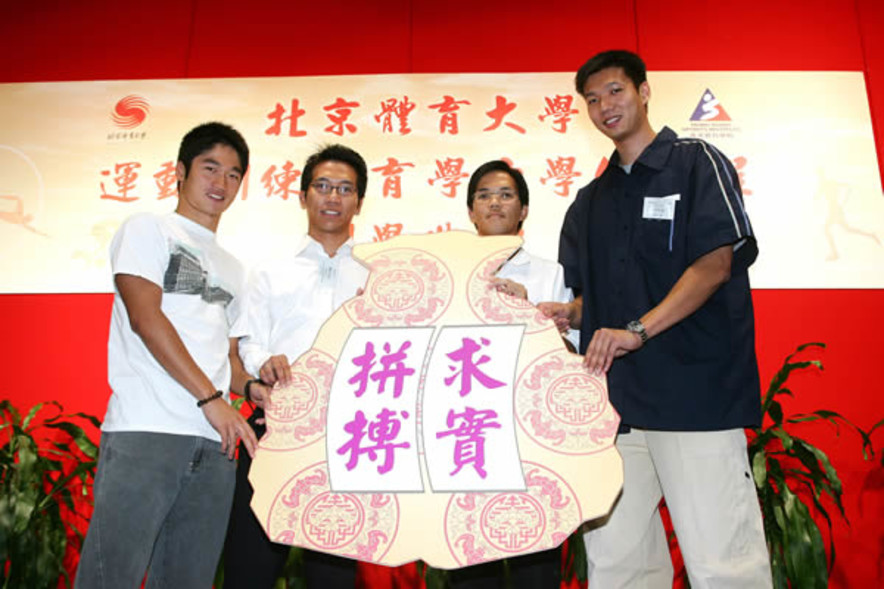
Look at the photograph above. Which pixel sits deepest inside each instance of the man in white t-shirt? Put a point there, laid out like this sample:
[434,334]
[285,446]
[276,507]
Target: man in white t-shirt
[497,199]
[165,474]
[289,297]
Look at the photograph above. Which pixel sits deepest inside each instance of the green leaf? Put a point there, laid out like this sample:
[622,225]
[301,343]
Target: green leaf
[31,414]
[575,557]
[759,470]
[775,410]
[83,442]
[94,421]
[36,480]
[784,437]
[804,552]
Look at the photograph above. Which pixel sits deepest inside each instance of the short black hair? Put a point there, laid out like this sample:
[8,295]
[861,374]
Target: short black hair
[204,137]
[497,166]
[336,153]
[631,64]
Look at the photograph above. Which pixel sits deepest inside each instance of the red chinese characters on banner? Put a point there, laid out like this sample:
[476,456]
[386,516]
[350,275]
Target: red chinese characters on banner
[603,165]
[561,172]
[125,176]
[740,164]
[388,231]
[559,108]
[501,109]
[281,183]
[448,109]
[398,110]
[339,113]
[166,180]
[441,228]
[392,173]
[278,119]
[450,173]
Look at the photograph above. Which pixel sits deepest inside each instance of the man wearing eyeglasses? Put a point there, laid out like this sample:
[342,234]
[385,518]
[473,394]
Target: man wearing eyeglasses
[497,200]
[288,298]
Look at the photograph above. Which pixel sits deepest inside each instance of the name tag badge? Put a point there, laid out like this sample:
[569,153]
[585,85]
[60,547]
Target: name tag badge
[660,207]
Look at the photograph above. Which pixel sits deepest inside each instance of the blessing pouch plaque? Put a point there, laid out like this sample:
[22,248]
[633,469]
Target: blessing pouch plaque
[435,418]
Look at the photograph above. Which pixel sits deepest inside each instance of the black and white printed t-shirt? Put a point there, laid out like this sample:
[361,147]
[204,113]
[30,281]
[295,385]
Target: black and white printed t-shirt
[202,285]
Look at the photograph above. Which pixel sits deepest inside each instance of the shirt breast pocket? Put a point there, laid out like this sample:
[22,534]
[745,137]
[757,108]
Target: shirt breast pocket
[655,238]
[657,226]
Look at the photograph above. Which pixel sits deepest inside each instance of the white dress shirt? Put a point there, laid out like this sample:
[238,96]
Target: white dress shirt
[289,297]
[543,279]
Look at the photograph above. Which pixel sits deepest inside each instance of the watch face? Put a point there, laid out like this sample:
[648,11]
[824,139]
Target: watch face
[638,328]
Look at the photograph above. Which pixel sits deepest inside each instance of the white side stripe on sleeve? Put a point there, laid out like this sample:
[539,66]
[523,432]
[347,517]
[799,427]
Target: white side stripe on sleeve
[727,201]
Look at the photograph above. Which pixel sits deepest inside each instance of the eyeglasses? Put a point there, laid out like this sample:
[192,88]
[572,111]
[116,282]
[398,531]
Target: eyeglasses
[325,188]
[505,194]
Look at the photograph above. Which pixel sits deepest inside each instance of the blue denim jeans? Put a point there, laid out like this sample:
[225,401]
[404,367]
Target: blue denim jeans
[161,505]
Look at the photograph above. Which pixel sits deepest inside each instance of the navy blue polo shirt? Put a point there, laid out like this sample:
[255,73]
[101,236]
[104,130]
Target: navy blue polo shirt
[625,241]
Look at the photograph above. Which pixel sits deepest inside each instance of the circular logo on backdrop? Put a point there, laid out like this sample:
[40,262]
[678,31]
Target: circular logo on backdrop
[130,111]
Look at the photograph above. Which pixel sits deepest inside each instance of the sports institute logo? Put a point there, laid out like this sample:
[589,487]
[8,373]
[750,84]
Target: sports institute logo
[710,121]
[130,112]
[709,109]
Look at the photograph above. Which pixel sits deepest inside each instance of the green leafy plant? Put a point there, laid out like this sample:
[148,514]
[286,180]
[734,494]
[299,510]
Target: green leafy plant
[792,477]
[47,465]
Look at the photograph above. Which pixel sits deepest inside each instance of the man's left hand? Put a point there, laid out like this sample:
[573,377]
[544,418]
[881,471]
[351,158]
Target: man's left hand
[259,393]
[509,287]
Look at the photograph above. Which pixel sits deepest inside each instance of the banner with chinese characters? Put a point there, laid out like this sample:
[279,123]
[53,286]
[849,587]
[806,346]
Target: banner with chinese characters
[435,418]
[78,157]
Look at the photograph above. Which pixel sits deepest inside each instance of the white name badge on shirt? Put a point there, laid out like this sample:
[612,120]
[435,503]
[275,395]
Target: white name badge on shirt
[660,207]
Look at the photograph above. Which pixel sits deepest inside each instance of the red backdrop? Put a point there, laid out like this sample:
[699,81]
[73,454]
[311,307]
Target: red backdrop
[55,344]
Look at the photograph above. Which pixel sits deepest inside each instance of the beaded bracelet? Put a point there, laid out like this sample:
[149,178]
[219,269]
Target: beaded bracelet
[217,395]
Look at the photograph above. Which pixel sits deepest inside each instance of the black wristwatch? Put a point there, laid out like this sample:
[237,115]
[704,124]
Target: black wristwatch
[639,329]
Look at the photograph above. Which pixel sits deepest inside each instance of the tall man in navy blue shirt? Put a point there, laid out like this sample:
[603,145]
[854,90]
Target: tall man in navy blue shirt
[658,248]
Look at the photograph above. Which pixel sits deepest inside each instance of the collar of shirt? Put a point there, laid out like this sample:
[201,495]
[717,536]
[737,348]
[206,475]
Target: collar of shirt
[312,249]
[193,227]
[521,258]
[656,154]
[328,266]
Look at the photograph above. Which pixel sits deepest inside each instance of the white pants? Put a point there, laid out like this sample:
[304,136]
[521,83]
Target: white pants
[707,482]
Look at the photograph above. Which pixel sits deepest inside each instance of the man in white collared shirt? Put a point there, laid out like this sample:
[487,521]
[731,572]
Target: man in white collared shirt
[288,298]
[497,199]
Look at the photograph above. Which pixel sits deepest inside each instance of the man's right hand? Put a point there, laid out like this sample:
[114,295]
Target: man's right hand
[565,315]
[606,345]
[232,426]
[276,369]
